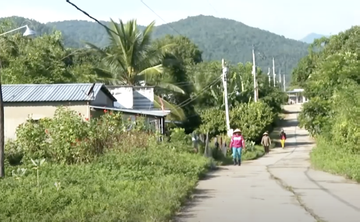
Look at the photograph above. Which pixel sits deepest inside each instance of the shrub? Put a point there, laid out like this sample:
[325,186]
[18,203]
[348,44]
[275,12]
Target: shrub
[148,184]
[70,138]
[253,119]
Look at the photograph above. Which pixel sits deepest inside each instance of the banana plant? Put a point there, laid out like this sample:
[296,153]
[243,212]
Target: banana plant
[37,164]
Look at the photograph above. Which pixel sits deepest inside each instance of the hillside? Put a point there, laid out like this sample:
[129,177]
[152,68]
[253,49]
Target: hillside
[311,37]
[217,38]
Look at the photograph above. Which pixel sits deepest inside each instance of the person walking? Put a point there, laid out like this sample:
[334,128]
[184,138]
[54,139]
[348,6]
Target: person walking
[237,144]
[282,138]
[266,142]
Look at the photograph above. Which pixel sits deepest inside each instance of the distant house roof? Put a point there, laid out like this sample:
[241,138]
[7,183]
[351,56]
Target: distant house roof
[157,113]
[72,92]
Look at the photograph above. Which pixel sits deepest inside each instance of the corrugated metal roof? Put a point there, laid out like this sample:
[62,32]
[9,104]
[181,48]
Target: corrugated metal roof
[52,92]
[159,113]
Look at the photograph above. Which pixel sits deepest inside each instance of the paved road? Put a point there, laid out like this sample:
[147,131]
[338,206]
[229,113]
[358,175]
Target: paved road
[277,187]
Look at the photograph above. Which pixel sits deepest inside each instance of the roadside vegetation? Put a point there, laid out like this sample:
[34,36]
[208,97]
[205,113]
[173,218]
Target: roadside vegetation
[330,75]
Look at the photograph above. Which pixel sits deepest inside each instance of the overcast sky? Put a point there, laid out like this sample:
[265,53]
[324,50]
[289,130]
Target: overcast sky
[293,19]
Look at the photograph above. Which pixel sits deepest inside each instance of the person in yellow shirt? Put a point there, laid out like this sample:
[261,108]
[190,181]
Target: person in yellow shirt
[282,138]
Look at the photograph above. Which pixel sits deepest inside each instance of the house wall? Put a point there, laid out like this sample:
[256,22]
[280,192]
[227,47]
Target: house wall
[143,98]
[123,95]
[102,100]
[18,113]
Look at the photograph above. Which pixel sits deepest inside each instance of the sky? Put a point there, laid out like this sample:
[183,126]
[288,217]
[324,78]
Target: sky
[293,19]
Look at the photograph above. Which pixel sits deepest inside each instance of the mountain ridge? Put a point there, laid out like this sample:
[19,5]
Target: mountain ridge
[309,38]
[217,37]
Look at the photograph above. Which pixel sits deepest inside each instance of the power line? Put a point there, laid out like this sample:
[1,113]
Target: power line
[166,23]
[97,21]
[188,101]
[212,6]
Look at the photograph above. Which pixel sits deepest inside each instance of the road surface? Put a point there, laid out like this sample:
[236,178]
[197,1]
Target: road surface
[277,187]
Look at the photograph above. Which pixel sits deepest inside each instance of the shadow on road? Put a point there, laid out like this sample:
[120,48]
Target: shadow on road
[291,112]
[295,143]
[198,196]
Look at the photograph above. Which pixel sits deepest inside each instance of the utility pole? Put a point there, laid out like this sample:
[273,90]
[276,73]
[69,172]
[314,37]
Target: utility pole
[269,76]
[280,77]
[225,71]
[274,75]
[254,75]
[284,84]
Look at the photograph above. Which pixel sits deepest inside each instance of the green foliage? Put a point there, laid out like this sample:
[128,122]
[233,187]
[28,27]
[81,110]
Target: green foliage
[138,185]
[133,177]
[213,121]
[253,119]
[331,82]
[337,159]
[69,138]
[179,135]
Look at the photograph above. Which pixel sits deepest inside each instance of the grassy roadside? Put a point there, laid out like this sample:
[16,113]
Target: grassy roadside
[140,185]
[335,160]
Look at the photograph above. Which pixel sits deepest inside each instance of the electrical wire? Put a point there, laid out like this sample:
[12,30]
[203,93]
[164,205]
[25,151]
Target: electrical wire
[166,23]
[188,101]
[209,3]
[97,21]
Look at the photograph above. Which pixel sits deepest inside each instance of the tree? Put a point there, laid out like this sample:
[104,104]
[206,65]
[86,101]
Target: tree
[132,59]
[332,85]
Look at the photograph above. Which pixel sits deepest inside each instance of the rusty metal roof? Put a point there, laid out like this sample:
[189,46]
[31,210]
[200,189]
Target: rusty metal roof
[53,92]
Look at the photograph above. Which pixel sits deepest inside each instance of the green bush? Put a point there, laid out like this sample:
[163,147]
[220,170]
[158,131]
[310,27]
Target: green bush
[148,184]
[70,138]
[96,170]
[337,159]
[253,119]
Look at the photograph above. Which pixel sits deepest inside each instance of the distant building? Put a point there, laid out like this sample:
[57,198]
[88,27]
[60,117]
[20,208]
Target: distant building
[296,96]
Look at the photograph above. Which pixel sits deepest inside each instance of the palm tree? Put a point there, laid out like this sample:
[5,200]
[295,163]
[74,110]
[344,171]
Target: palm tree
[132,59]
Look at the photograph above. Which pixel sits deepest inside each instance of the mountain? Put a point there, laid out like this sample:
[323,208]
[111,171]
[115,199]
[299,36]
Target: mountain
[217,37]
[40,28]
[311,37]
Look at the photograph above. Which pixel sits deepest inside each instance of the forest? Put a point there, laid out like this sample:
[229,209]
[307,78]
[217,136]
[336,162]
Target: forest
[234,42]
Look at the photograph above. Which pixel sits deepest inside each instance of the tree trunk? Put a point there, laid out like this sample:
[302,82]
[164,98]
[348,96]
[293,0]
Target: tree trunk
[2,142]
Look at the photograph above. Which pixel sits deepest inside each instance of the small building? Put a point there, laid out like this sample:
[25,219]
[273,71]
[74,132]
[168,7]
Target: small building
[37,101]
[133,97]
[296,96]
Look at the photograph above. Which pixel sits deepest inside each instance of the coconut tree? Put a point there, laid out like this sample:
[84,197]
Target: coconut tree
[132,59]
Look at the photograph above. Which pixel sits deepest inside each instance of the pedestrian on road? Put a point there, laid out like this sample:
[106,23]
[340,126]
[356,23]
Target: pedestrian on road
[282,138]
[266,142]
[237,144]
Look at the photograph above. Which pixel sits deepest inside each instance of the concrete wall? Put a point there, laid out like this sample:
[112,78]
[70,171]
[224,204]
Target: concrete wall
[123,95]
[18,113]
